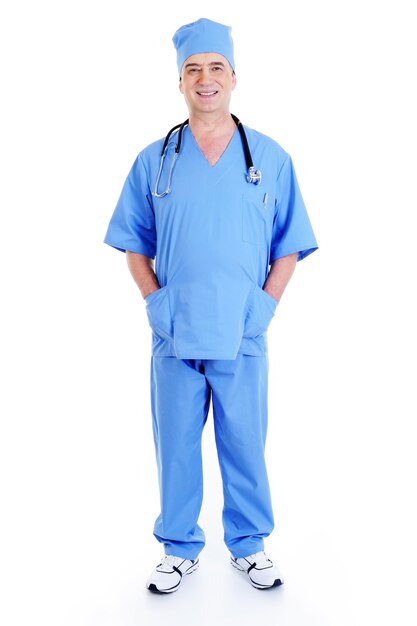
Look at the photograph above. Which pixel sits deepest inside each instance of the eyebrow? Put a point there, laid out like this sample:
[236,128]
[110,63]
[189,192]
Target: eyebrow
[199,64]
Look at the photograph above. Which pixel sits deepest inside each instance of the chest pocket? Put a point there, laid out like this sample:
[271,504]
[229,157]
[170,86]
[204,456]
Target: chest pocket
[257,216]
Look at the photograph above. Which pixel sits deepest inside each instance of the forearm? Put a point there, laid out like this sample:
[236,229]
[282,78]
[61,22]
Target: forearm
[141,268]
[279,275]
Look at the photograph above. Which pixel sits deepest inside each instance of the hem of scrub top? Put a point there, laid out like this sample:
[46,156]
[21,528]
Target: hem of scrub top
[250,346]
[200,355]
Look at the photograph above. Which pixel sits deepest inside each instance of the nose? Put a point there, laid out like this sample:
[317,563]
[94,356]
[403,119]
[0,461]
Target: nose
[205,75]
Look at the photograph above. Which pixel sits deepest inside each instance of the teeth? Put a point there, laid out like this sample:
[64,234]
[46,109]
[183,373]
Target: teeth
[206,93]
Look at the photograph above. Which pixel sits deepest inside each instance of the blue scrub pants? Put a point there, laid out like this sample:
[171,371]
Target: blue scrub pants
[181,390]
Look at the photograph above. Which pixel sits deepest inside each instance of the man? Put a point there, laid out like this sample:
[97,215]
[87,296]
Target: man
[226,240]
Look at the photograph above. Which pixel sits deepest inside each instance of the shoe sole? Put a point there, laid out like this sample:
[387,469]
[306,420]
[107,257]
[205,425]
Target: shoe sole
[277,583]
[152,587]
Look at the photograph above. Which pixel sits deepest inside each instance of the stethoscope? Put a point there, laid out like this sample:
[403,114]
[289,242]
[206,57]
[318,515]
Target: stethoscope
[253,176]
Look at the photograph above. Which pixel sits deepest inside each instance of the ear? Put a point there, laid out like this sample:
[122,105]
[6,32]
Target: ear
[234,81]
[180,86]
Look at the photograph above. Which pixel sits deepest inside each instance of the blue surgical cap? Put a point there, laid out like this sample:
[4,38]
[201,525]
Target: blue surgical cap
[203,36]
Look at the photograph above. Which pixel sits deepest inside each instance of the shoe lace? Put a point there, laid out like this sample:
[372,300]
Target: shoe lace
[261,558]
[170,560]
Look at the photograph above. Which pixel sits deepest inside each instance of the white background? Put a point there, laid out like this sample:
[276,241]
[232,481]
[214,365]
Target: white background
[86,85]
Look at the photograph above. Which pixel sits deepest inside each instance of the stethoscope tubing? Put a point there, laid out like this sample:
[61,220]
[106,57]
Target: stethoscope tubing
[253,176]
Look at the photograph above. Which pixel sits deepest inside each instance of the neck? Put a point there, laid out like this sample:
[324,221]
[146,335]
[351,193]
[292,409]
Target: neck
[219,124]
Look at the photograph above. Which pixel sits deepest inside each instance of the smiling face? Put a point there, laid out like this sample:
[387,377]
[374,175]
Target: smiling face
[207,82]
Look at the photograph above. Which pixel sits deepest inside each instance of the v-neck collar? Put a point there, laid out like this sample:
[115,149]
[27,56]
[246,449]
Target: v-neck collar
[223,155]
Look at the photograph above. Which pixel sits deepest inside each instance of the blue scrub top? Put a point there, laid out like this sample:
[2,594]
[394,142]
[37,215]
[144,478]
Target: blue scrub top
[214,237]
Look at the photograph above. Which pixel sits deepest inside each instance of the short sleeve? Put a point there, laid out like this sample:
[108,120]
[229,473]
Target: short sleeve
[132,226]
[292,231]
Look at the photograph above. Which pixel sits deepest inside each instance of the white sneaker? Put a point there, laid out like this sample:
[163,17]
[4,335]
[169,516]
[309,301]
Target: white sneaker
[261,571]
[167,576]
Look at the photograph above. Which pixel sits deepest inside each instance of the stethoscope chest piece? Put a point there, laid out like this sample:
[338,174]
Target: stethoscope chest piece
[254,176]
